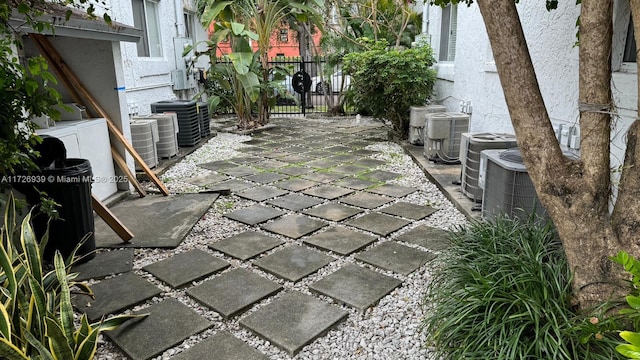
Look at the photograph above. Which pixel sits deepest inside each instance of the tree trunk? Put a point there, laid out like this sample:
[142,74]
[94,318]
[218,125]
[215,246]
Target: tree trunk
[575,193]
[627,209]
[305,55]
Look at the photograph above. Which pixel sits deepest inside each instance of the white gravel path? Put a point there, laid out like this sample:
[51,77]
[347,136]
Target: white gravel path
[390,330]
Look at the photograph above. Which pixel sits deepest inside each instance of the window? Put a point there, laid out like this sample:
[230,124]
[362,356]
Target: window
[189,25]
[283,35]
[448,29]
[145,17]
[630,52]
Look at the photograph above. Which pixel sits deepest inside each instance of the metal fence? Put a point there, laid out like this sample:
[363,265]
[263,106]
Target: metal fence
[308,87]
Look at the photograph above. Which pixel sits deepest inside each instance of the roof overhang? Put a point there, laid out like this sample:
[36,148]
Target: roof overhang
[80,25]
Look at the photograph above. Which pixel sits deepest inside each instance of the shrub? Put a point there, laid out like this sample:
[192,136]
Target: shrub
[631,265]
[36,316]
[386,83]
[504,292]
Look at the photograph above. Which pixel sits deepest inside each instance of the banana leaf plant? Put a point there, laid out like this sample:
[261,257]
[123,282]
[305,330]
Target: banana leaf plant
[258,19]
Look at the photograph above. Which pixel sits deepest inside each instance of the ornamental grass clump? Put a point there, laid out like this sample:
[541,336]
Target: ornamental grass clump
[504,292]
[36,316]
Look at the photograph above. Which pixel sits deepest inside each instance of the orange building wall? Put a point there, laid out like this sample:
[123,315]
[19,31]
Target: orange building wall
[288,48]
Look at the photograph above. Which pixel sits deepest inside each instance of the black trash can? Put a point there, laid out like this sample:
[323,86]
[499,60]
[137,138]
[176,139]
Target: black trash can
[68,184]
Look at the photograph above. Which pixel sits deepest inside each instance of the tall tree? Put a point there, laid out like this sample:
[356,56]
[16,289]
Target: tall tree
[576,193]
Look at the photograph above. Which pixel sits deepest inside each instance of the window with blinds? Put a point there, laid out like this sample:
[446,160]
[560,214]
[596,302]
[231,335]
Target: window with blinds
[448,28]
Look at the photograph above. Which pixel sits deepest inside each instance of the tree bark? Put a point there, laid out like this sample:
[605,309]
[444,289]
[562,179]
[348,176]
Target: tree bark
[575,193]
[626,212]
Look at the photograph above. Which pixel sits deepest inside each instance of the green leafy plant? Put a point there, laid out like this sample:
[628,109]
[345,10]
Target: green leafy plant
[504,292]
[386,83]
[631,349]
[36,315]
[241,22]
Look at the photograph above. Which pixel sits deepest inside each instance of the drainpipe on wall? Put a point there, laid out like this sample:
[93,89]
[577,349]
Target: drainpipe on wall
[425,18]
[179,19]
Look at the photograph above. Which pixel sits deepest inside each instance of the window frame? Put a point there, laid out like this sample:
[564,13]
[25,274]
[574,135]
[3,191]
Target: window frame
[150,45]
[448,33]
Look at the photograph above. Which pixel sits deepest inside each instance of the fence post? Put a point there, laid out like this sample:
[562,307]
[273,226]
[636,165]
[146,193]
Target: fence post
[304,90]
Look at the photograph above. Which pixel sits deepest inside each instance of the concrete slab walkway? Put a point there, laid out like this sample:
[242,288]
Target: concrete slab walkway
[318,198]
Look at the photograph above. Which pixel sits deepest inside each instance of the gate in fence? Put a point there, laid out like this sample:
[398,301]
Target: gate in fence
[307,87]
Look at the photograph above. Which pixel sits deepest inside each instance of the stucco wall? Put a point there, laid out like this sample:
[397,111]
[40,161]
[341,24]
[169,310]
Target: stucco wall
[148,79]
[551,38]
[473,77]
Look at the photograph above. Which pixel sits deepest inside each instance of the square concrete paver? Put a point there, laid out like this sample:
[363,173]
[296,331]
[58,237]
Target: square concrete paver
[318,153]
[368,162]
[207,179]
[217,165]
[329,192]
[295,184]
[333,211]
[363,152]
[295,158]
[294,226]
[348,169]
[323,177]
[234,185]
[255,214]
[293,321]
[395,257]
[246,245]
[295,170]
[244,160]
[409,211]
[342,158]
[356,286]
[378,223]
[381,175]
[252,150]
[265,178]
[340,240]
[366,200]
[295,202]
[181,269]
[293,263]
[168,324]
[321,164]
[394,190]
[339,148]
[428,237]
[356,183]
[239,171]
[262,193]
[157,221]
[105,263]
[233,292]
[224,346]
[115,294]
[271,164]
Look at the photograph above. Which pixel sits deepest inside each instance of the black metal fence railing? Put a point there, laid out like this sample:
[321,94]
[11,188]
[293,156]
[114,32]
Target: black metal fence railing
[308,87]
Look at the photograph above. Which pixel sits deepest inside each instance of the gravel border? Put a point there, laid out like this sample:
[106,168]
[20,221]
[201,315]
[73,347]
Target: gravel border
[389,330]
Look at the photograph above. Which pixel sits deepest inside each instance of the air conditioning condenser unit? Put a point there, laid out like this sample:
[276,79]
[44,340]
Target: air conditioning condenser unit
[507,186]
[472,146]
[144,136]
[443,135]
[417,121]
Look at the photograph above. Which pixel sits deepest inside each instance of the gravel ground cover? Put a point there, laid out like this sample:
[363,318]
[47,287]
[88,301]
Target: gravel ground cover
[389,330]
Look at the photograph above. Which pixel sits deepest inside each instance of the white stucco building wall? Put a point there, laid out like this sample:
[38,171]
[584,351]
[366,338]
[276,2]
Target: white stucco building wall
[551,37]
[149,79]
